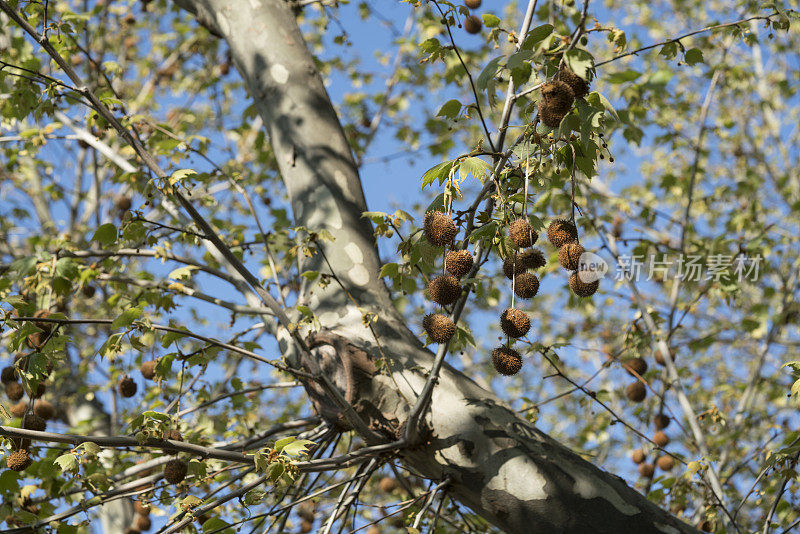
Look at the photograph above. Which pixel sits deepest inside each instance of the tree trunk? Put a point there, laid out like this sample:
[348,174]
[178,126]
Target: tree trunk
[500,466]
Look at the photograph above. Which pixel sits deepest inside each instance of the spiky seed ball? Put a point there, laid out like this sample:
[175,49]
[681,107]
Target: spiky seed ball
[523,261]
[175,471]
[473,4]
[439,228]
[458,262]
[665,463]
[14,391]
[579,86]
[173,434]
[127,387]
[306,526]
[531,259]
[19,460]
[34,422]
[515,323]
[473,24]
[148,369]
[660,357]
[647,470]
[569,256]
[660,438]
[123,202]
[635,365]
[561,232]
[581,288]
[506,361]
[522,234]
[661,421]
[44,409]
[440,328]
[638,456]
[387,484]
[8,375]
[557,96]
[526,285]
[549,116]
[142,522]
[636,392]
[444,290]
[18,409]
[141,508]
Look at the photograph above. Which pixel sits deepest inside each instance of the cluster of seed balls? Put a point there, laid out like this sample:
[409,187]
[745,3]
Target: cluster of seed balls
[473,23]
[440,231]
[558,96]
[33,414]
[637,392]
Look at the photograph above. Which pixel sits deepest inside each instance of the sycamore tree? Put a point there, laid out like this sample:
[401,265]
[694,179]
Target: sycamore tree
[583,320]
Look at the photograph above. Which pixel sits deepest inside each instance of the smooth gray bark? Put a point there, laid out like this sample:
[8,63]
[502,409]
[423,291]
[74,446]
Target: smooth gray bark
[502,467]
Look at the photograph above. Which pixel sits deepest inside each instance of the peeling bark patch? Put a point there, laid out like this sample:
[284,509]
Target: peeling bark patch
[354,253]
[279,73]
[359,275]
[595,489]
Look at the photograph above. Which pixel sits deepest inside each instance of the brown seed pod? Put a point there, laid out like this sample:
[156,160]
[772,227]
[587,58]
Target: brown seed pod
[561,232]
[444,290]
[440,328]
[660,357]
[19,460]
[458,262]
[142,522]
[387,484]
[473,24]
[148,369]
[123,202]
[515,323]
[635,365]
[579,86]
[531,259]
[129,19]
[141,507]
[526,285]
[173,434]
[439,228]
[472,4]
[581,288]
[18,409]
[37,340]
[506,361]
[557,96]
[569,256]
[661,421]
[175,471]
[306,526]
[14,391]
[522,234]
[9,374]
[638,456]
[549,116]
[88,291]
[31,421]
[127,387]
[706,526]
[647,470]
[224,68]
[661,439]
[636,391]
[44,409]
[665,463]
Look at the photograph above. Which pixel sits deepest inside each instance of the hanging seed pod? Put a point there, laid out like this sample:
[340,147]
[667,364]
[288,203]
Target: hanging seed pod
[515,323]
[506,361]
[522,234]
[526,285]
[444,290]
[458,262]
[439,228]
[440,328]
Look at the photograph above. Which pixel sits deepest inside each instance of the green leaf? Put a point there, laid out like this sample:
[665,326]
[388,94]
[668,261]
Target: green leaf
[127,317]
[181,174]
[105,235]
[438,172]
[67,462]
[622,77]
[474,166]
[488,73]
[491,21]
[580,62]
[693,56]
[297,447]
[451,109]
[281,443]
[536,35]
[430,45]
[669,50]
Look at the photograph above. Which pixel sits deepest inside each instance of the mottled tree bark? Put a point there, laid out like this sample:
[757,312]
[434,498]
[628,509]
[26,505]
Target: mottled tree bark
[502,467]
